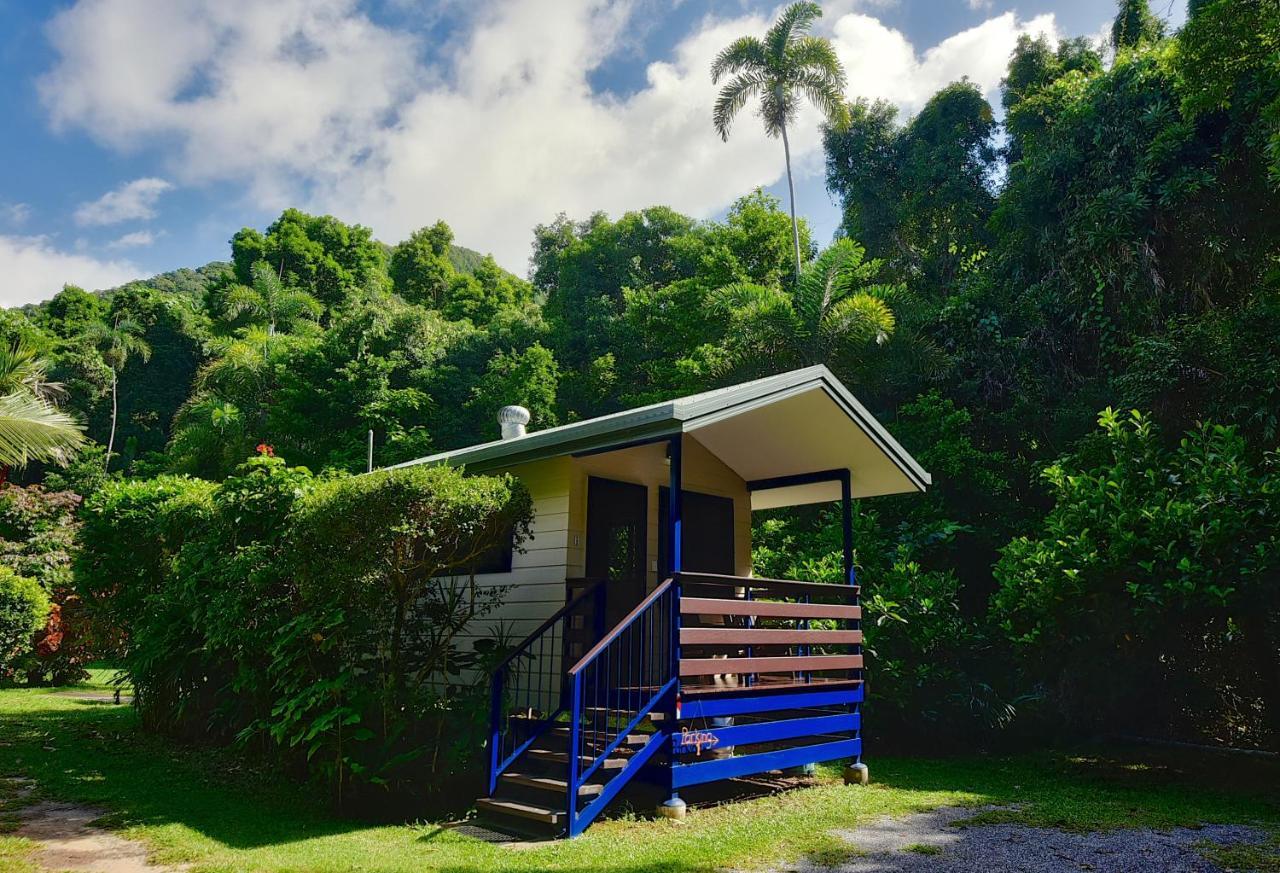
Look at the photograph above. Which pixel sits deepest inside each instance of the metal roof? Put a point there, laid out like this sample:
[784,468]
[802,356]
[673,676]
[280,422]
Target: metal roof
[681,415]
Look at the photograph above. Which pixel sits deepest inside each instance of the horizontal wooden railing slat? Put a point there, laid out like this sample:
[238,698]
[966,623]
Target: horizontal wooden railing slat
[788,664]
[722,636]
[776,587]
[767,609]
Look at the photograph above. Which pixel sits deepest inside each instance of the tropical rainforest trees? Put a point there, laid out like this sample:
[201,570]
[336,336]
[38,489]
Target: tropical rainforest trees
[267,301]
[833,312]
[1114,242]
[117,342]
[786,65]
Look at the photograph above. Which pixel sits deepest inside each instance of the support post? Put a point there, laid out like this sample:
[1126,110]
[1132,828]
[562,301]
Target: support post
[495,729]
[674,806]
[571,826]
[846,520]
[856,773]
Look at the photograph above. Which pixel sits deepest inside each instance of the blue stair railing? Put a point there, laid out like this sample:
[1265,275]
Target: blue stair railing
[611,691]
[529,694]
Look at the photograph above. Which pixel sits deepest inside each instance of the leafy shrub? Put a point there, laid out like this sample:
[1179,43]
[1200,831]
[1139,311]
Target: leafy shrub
[1149,593]
[315,620]
[931,672]
[24,608]
[378,561]
[38,530]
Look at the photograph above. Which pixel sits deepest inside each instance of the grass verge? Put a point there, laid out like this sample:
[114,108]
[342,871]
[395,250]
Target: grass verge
[204,808]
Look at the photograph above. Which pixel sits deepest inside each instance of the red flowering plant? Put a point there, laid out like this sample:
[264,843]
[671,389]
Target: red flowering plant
[38,536]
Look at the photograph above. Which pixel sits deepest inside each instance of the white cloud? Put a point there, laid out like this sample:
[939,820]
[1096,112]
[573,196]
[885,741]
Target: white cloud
[313,104]
[14,214]
[881,63]
[35,270]
[131,201]
[133,240]
[977,5]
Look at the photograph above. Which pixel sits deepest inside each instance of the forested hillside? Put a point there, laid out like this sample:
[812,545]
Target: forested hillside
[1113,242]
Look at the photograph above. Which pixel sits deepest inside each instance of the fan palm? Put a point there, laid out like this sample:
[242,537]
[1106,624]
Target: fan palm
[31,426]
[269,302]
[117,343]
[785,66]
[835,311]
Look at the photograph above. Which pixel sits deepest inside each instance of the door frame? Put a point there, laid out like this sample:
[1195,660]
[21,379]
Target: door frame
[614,598]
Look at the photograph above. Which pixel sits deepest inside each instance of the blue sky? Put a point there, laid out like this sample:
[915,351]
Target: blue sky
[140,134]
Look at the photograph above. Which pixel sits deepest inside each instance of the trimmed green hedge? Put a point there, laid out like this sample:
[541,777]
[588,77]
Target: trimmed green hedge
[313,619]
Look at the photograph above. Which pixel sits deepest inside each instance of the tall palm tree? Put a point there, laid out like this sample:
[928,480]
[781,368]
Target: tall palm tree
[117,343]
[31,426]
[785,66]
[834,313]
[269,302]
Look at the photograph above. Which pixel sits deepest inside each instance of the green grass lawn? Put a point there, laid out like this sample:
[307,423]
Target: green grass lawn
[203,808]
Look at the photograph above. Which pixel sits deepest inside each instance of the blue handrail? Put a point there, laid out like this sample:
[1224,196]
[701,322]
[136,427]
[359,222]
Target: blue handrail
[528,688]
[612,689]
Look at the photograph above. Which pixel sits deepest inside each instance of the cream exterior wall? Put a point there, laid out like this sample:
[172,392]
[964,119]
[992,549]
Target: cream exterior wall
[535,587]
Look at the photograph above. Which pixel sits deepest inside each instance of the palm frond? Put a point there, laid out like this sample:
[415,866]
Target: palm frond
[33,429]
[295,304]
[828,278]
[22,368]
[732,97]
[826,92]
[778,108]
[241,299]
[793,23]
[265,280]
[119,341]
[858,319]
[744,53]
[816,54]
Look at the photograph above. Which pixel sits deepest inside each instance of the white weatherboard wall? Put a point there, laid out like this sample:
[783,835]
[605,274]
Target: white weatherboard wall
[535,586]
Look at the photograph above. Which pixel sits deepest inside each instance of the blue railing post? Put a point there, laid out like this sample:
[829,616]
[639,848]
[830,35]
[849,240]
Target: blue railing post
[851,577]
[495,728]
[675,515]
[575,736]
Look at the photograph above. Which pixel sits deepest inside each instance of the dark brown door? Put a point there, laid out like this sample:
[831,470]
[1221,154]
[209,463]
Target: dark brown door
[707,537]
[617,533]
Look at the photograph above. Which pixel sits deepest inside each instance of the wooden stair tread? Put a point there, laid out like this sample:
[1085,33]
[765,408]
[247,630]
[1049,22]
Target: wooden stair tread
[523,810]
[550,783]
[631,740]
[654,715]
[610,763]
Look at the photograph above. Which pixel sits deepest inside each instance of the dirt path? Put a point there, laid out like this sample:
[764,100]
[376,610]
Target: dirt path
[68,841]
[932,841]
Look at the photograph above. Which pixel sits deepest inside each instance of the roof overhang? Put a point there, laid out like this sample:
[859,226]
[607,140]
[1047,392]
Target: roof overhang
[781,426]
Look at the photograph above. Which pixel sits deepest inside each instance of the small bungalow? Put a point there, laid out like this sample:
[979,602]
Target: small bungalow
[647,643]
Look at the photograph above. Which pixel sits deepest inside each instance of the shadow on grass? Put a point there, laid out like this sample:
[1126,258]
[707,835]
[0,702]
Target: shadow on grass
[93,753]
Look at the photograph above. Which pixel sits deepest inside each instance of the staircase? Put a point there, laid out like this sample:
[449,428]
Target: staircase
[531,795]
[709,678]
[561,751]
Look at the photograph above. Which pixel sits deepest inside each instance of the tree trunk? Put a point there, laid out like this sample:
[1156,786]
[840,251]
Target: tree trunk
[111,440]
[791,188]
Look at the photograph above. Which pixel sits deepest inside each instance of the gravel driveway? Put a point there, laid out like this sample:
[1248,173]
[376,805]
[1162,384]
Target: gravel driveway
[931,842]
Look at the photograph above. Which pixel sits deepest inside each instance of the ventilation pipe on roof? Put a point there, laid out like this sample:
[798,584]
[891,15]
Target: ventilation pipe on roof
[513,421]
